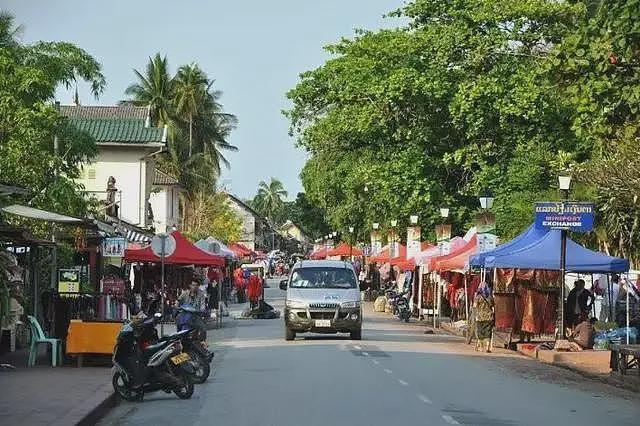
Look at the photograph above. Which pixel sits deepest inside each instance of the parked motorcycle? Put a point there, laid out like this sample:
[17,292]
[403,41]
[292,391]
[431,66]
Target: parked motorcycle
[402,308]
[200,356]
[161,366]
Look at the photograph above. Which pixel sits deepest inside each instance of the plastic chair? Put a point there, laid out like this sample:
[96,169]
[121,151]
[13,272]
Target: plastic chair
[37,337]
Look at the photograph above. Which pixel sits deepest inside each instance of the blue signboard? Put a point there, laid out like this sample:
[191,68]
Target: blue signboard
[569,215]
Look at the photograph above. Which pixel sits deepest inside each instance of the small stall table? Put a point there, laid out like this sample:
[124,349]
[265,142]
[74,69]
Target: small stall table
[624,357]
[97,338]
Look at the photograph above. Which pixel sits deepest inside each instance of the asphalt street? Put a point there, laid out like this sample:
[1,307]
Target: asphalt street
[396,375]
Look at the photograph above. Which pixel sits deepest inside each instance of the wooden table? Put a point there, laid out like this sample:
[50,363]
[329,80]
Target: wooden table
[625,357]
[91,338]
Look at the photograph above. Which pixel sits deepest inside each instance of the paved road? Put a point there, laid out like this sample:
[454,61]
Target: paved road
[396,375]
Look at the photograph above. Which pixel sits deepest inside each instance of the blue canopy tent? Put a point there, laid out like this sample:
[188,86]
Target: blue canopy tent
[544,253]
[530,235]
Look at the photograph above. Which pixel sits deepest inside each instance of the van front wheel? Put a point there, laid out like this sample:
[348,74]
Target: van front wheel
[356,334]
[289,334]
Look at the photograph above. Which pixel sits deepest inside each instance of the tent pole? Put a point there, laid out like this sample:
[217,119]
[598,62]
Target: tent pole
[420,316]
[435,290]
[466,298]
[627,290]
[609,293]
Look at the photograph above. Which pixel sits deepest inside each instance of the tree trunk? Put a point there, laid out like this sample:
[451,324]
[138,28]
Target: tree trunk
[190,134]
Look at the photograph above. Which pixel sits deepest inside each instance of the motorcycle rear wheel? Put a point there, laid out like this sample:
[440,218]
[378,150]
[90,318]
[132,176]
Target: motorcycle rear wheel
[185,389]
[202,367]
[123,390]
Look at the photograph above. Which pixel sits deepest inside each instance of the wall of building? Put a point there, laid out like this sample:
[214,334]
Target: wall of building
[165,203]
[248,233]
[133,173]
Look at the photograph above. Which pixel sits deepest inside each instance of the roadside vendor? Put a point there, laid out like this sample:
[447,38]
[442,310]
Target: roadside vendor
[583,334]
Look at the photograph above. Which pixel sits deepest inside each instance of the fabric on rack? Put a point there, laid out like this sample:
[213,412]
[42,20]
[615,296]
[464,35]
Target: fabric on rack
[505,310]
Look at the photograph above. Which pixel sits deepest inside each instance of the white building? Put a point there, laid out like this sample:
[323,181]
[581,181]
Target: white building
[127,146]
[165,201]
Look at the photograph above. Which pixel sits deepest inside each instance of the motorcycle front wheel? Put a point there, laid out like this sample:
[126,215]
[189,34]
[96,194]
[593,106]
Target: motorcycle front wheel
[123,389]
[185,389]
[202,367]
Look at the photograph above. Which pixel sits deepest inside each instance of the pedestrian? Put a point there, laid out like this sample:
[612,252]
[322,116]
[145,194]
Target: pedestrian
[483,308]
[579,302]
[609,296]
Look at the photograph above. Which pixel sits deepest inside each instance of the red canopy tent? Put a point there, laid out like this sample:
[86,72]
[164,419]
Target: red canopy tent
[403,264]
[241,250]
[384,255]
[344,249]
[185,254]
[458,260]
[320,254]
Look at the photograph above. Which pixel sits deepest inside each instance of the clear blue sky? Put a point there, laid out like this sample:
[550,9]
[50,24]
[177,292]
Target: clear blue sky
[254,49]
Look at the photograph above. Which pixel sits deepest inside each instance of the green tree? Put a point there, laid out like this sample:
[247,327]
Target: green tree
[30,122]
[191,89]
[426,115]
[269,198]
[154,89]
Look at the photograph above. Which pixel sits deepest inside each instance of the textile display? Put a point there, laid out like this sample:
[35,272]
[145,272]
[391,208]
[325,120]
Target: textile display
[505,310]
[538,311]
[507,279]
[428,289]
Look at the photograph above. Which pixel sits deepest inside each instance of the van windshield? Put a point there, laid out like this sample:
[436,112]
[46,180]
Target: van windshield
[323,278]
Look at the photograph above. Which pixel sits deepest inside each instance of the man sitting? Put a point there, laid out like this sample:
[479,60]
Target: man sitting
[583,334]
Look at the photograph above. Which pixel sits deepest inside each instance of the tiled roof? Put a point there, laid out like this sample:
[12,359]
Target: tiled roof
[114,124]
[101,111]
[162,178]
[118,130]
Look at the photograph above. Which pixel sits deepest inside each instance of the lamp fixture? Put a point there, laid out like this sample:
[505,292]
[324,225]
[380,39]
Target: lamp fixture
[486,199]
[444,212]
[564,182]
[375,225]
[413,219]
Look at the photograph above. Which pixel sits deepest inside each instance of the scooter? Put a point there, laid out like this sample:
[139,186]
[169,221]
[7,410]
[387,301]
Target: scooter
[164,365]
[195,343]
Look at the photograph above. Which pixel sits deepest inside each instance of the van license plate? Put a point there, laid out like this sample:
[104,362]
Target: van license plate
[323,323]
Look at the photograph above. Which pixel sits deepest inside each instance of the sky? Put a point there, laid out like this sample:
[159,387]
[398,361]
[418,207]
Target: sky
[254,49]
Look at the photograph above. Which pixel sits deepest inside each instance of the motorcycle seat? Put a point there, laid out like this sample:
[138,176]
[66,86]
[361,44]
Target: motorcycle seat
[151,349]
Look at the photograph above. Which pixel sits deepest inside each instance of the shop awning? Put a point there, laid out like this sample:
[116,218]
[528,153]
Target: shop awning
[425,256]
[241,250]
[545,254]
[457,260]
[214,246]
[185,254]
[32,213]
[530,235]
[344,249]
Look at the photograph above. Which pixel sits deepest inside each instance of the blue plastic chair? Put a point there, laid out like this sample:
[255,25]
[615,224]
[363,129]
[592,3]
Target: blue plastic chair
[37,337]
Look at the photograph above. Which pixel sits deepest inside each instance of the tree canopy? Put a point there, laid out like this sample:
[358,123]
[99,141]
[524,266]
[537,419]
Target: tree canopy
[468,95]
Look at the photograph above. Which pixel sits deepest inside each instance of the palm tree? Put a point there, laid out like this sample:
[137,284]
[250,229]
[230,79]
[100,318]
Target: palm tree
[154,89]
[191,85]
[269,198]
[9,32]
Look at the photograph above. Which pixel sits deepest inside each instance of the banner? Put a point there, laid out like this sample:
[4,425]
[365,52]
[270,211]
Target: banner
[394,244]
[485,222]
[568,215]
[413,241]
[376,243]
[443,232]
[114,246]
[486,242]
[68,281]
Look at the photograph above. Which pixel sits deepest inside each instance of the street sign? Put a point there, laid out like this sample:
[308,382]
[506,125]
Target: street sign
[157,245]
[568,215]
[114,247]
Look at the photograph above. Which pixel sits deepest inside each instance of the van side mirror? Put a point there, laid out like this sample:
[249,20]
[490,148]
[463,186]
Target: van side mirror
[283,285]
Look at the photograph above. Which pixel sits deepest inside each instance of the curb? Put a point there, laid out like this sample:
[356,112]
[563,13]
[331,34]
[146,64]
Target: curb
[92,410]
[608,380]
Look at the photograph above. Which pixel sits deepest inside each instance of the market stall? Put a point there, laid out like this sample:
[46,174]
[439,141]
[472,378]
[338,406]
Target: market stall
[344,250]
[526,278]
[320,254]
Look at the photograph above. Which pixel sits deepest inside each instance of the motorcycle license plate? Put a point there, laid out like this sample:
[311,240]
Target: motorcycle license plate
[179,359]
[323,323]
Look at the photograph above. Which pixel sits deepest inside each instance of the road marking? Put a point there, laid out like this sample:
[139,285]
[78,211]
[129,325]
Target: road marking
[447,418]
[386,370]
[402,382]
[425,399]
[357,347]
[375,361]
[365,353]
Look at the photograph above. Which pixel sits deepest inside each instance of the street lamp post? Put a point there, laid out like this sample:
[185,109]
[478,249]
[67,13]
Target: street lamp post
[444,214]
[351,229]
[564,183]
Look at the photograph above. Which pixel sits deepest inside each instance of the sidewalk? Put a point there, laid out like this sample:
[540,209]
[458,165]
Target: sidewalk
[43,395]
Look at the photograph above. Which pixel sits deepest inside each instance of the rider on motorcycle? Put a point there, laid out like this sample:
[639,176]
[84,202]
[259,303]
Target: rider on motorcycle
[193,297]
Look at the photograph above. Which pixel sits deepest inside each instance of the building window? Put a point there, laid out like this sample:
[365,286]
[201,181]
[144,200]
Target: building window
[91,173]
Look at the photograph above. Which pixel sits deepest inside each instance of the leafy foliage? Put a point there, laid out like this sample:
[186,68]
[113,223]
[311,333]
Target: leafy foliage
[29,122]
[269,199]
